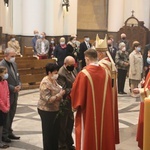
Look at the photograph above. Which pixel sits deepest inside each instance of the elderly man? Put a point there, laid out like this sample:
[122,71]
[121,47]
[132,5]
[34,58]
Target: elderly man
[125,41]
[67,74]
[106,61]
[14,88]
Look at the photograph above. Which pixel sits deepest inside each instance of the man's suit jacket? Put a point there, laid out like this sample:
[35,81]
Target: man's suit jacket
[112,51]
[83,48]
[12,81]
[65,79]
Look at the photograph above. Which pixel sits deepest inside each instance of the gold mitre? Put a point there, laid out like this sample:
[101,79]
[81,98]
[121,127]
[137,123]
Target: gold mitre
[101,45]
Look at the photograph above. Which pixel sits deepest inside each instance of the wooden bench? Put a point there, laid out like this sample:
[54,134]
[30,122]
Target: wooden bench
[32,72]
[28,51]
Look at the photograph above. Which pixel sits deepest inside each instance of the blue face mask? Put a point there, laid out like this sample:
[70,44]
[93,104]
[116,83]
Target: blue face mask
[148,60]
[5,76]
[138,49]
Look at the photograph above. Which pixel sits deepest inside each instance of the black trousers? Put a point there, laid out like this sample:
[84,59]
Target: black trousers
[7,128]
[66,127]
[2,118]
[50,129]
[121,79]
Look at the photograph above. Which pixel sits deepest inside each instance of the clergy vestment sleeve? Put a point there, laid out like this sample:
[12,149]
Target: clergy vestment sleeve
[78,93]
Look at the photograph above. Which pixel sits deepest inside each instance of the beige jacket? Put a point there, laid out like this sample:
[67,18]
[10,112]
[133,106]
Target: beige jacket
[15,45]
[136,65]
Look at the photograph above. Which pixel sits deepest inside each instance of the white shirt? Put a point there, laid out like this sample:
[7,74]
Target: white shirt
[42,47]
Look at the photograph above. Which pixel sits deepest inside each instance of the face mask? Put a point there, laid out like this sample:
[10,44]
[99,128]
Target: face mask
[62,43]
[87,39]
[55,76]
[109,45]
[36,35]
[13,39]
[12,59]
[41,36]
[73,41]
[70,68]
[148,60]
[124,49]
[5,76]
[52,42]
[124,38]
[138,49]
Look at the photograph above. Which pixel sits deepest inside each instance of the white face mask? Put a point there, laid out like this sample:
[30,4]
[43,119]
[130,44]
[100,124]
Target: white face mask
[41,36]
[36,34]
[148,60]
[87,39]
[138,49]
[124,49]
[74,41]
[13,39]
[62,43]
[12,59]
[5,76]
[55,76]
[52,42]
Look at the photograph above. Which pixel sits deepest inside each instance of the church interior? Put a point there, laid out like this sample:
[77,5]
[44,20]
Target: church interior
[64,18]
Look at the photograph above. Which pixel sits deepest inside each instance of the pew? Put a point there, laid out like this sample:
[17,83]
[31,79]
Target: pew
[28,51]
[32,71]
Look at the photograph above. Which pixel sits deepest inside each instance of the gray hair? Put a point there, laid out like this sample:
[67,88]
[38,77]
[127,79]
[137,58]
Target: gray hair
[121,45]
[8,50]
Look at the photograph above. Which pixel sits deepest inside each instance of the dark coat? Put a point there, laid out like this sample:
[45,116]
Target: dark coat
[83,48]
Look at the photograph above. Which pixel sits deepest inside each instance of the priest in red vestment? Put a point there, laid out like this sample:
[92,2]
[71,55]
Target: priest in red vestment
[90,97]
[145,92]
[106,61]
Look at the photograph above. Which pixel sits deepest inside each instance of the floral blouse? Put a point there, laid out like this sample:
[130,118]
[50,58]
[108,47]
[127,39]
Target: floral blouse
[48,89]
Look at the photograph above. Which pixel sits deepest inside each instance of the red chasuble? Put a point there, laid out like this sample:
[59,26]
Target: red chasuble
[139,137]
[106,63]
[90,97]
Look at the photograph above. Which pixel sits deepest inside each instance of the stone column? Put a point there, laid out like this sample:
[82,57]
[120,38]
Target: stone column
[53,17]
[115,15]
[33,16]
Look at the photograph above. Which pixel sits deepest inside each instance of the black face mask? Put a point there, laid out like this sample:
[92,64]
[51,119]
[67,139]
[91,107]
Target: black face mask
[123,38]
[70,68]
[109,45]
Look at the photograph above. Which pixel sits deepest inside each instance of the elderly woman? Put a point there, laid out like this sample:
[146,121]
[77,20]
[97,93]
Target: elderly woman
[13,43]
[122,62]
[136,65]
[51,94]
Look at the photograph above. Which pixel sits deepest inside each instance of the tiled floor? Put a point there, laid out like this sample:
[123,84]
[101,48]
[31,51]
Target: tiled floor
[27,123]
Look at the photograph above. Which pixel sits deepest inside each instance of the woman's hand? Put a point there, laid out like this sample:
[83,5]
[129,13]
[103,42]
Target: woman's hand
[136,91]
